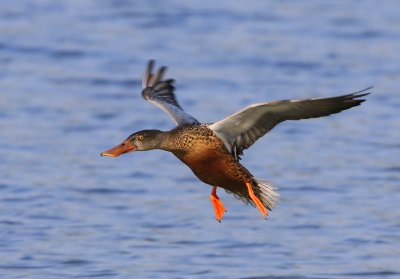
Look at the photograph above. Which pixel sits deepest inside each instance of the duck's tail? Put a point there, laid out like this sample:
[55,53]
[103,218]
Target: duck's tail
[266,192]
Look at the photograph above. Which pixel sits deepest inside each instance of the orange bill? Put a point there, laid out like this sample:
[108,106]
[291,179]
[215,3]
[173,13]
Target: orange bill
[124,147]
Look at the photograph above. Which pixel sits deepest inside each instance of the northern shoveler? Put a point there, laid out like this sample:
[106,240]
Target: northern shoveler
[212,151]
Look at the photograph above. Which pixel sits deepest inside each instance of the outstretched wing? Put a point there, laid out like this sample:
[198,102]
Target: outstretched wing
[240,130]
[161,93]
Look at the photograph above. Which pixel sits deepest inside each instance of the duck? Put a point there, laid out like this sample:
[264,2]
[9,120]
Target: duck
[213,151]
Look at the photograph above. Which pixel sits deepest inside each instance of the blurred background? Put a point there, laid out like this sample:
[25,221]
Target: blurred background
[70,76]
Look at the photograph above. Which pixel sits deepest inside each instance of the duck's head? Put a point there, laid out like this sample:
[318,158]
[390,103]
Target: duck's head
[139,141]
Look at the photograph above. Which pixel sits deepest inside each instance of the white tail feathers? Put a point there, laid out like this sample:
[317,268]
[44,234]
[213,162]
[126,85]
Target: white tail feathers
[267,192]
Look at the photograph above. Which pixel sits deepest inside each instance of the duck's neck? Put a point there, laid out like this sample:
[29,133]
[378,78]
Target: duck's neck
[165,140]
[161,140]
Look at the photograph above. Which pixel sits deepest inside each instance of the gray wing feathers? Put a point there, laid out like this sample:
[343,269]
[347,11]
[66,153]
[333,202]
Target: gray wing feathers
[161,93]
[240,130]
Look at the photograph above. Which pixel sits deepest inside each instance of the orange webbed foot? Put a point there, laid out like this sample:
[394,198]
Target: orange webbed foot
[219,208]
[260,206]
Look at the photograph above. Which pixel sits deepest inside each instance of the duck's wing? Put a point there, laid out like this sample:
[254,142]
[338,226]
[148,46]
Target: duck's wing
[240,130]
[161,93]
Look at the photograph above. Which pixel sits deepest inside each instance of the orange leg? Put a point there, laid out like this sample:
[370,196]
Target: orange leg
[257,202]
[219,208]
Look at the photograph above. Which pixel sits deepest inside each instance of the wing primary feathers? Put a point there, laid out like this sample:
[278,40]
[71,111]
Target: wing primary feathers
[147,74]
[161,93]
[361,91]
[156,79]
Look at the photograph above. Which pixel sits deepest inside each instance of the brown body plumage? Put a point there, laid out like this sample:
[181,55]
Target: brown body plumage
[206,155]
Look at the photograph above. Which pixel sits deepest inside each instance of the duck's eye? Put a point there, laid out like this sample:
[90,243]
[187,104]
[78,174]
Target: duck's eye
[140,137]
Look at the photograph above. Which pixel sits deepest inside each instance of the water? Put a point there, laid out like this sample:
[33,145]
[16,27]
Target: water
[70,82]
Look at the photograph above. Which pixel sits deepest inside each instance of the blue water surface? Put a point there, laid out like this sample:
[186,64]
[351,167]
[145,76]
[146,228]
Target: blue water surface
[70,76]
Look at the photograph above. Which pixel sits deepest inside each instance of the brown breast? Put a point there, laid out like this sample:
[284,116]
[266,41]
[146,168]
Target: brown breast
[206,155]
